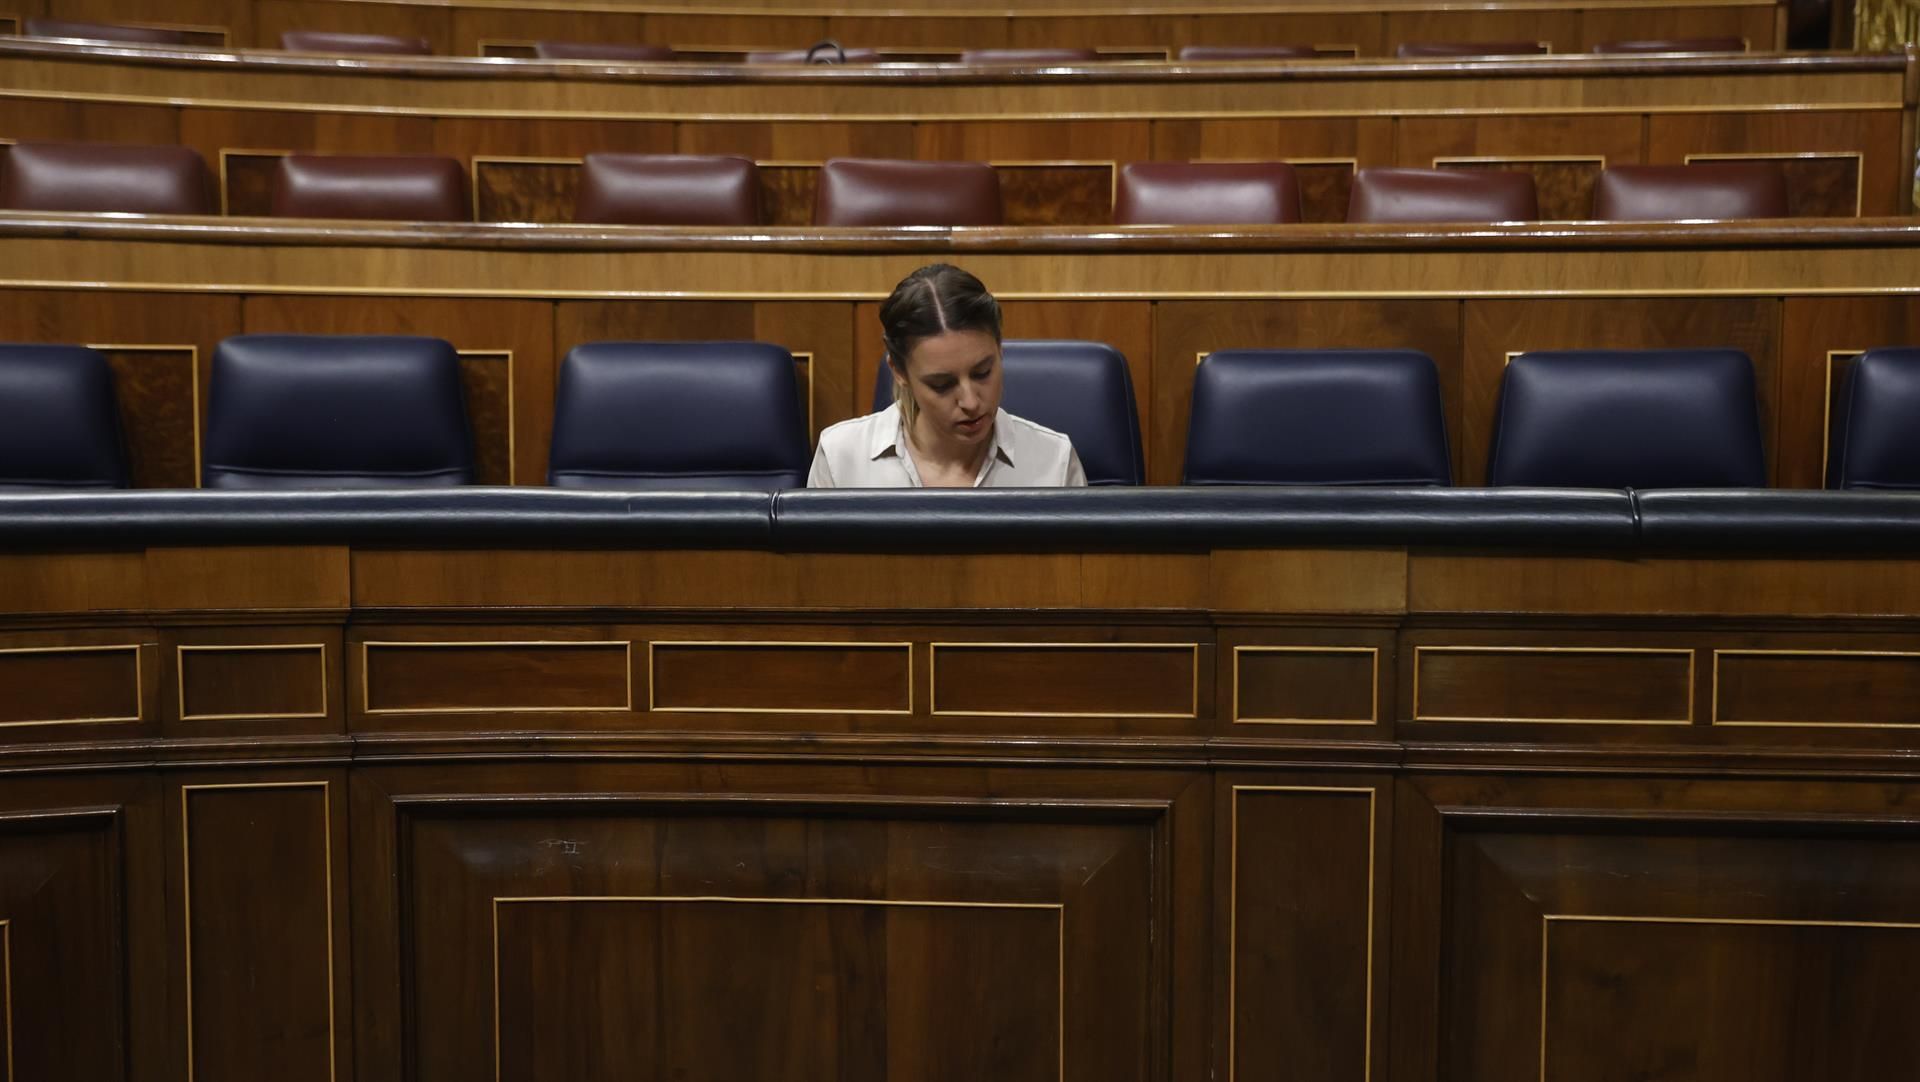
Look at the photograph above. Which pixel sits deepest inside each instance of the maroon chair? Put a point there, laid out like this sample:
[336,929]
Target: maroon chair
[410,189]
[886,192]
[1421,50]
[1671,193]
[1247,52]
[1206,193]
[326,41]
[668,189]
[600,50]
[1442,195]
[139,35]
[1675,45]
[1028,56]
[814,55]
[105,177]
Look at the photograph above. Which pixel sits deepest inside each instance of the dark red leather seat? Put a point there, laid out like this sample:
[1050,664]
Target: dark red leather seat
[105,177]
[887,192]
[412,189]
[1442,195]
[816,55]
[668,189]
[138,35]
[327,41]
[1675,45]
[1206,193]
[600,50]
[1028,56]
[1671,193]
[1247,52]
[1419,50]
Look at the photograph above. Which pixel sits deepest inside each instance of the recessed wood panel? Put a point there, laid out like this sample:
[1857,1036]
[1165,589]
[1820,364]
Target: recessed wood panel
[1782,136]
[237,682]
[1301,933]
[1553,684]
[157,389]
[616,988]
[1760,1001]
[1816,687]
[1048,193]
[1819,185]
[257,861]
[782,677]
[69,685]
[523,190]
[442,677]
[246,182]
[1305,685]
[1154,680]
[1563,187]
[63,946]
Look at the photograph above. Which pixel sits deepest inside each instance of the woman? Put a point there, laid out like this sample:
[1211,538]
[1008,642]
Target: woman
[946,429]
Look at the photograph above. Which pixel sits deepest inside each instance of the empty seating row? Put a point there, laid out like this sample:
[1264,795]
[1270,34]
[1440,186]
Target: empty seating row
[324,41]
[643,189]
[303,411]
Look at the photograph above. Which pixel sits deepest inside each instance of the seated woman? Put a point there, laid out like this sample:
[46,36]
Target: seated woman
[946,430]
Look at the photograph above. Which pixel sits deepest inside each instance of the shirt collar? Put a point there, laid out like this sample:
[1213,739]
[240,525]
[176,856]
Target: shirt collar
[891,438]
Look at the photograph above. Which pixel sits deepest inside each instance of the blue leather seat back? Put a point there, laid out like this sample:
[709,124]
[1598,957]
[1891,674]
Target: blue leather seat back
[59,421]
[1317,417]
[1874,440]
[685,415]
[336,411]
[1679,418]
[1080,388]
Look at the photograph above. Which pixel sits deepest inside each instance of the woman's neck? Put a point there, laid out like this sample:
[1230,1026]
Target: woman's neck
[946,452]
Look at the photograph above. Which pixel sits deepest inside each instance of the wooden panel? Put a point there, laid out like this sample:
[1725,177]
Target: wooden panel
[445,677]
[157,388]
[1816,687]
[63,946]
[507,367]
[1564,153]
[1818,337]
[763,935]
[1159,680]
[1064,194]
[246,182]
[247,577]
[1183,330]
[236,681]
[914,990]
[1324,152]
[1884,183]
[787,677]
[473,26]
[212,130]
[70,685]
[511,190]
[474,138]
[259,913]
[72,582]
[1559,29]
[1602,22]
[1306,685]
[91,122]
[1597,685]
[1819,184]
[1301,931]
[274,17]
[1563,186]
[1496,328]
[1619,992]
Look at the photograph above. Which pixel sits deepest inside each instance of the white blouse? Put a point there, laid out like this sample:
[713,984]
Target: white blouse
[871,452]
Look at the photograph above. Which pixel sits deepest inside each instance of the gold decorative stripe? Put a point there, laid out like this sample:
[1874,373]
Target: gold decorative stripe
[180,677]
[1233,907]
[366,689]
[653,707]
[186,898]
[1713,718]
[1373,652]
[933,668]
[1464,649]
[1059,909]
[139,683]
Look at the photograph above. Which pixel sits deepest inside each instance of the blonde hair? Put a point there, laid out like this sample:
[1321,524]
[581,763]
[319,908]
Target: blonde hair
[931,301]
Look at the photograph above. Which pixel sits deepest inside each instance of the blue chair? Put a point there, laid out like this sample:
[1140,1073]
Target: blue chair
[1656,418]
[679,415]
[1317,417]
[1082,389]
[1874,438]
[293,411]
[59,421]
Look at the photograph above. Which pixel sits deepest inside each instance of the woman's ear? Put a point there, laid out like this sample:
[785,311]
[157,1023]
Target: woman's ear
[899,370]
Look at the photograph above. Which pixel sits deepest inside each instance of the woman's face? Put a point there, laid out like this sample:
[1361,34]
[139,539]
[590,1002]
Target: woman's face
[955,381]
